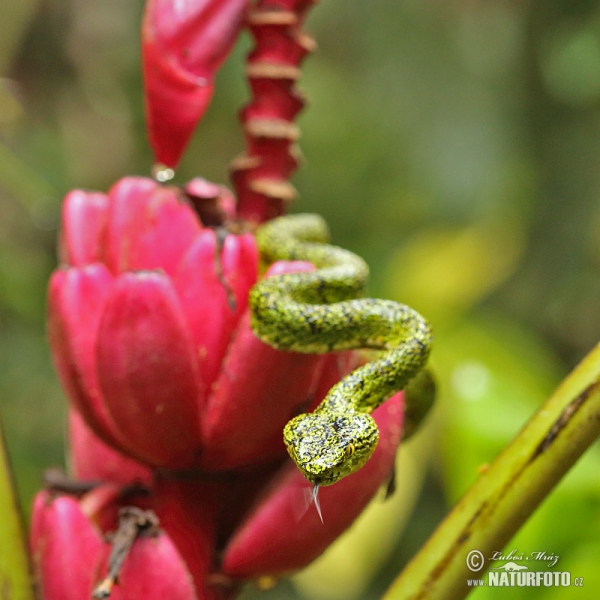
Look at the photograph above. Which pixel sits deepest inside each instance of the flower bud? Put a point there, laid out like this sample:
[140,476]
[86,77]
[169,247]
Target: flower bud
[183,46]
[66,548]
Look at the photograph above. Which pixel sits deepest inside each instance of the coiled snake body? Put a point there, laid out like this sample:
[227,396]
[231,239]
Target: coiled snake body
[318,312]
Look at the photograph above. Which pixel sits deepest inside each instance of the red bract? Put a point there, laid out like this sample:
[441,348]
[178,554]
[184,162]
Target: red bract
[280,388]
[184,43]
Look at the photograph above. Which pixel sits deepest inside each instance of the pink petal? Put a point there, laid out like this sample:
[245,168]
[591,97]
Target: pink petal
[76,298]
[147,370]
[213,287]
[276,538]
[240,260]
[65,549]
[154,570]
[92,460]
[149,226]
[256,380]
[183,44]
[83,223]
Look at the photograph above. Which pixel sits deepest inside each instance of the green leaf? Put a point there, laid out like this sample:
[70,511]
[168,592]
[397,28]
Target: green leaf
[15,578]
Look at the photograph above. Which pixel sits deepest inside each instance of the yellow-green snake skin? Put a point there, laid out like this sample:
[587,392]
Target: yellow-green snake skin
[318,312]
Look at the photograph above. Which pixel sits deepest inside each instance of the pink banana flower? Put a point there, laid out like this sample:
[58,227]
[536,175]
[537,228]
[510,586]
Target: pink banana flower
[151,338]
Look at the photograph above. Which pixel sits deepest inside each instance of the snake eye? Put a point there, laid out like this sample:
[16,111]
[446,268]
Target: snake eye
[349,451]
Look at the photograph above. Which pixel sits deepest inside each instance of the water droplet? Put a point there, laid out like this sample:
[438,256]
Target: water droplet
[162,173]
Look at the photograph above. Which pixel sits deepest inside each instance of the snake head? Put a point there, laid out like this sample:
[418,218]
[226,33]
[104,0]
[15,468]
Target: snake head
[327,446]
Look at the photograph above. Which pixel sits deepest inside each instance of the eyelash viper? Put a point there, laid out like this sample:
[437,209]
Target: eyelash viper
[321,311]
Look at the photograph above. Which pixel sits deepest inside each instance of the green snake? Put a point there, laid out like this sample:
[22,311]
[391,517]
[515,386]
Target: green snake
[321,311]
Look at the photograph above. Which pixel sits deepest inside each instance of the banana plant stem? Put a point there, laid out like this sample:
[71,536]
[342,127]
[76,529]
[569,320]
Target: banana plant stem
[508,492]
[15,574]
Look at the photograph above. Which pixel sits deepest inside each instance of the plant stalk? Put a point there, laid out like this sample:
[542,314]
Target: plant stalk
[261,174]
[506,494]
[15,577]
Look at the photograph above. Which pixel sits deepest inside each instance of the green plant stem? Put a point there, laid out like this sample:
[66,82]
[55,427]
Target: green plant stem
[15,577]
[505,495]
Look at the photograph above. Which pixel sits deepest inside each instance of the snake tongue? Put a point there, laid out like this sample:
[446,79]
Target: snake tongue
[315,500]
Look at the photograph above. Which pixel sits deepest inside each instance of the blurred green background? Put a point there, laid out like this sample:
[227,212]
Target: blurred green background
[455,144]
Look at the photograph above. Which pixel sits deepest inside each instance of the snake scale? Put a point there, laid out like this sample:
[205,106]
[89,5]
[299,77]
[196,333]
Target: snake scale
[322,311]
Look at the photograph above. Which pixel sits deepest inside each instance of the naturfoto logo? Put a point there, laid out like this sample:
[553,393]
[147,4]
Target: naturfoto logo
[514,574]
